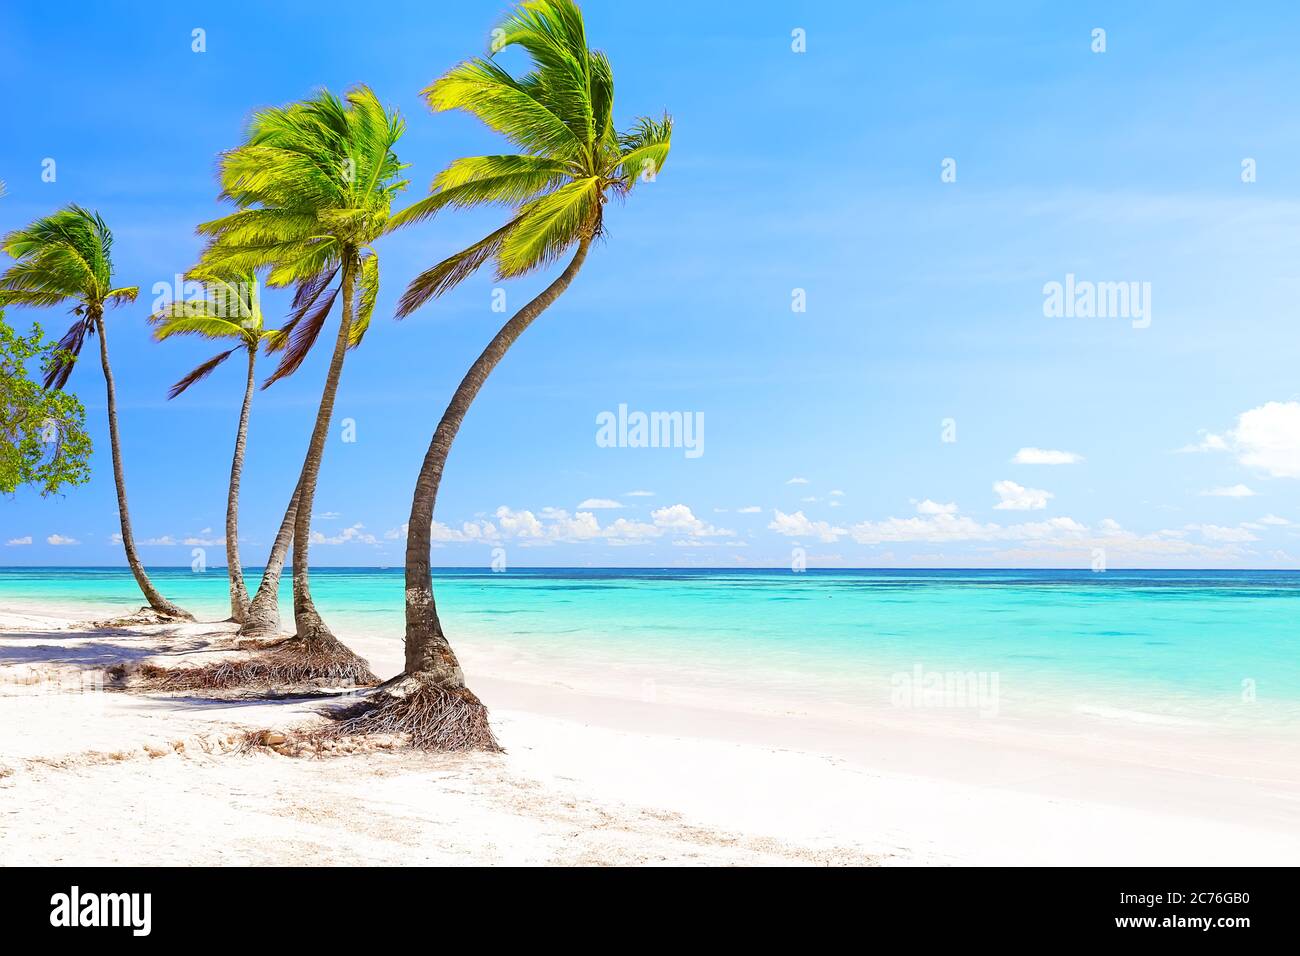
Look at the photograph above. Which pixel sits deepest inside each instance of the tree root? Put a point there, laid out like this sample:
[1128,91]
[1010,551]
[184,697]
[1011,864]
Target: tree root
[429,715]
[292,662]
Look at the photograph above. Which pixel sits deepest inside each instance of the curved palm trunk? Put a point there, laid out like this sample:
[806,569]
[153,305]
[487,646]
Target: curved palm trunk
[428,654]
[262,619]
[307,621]
[156,600]
[238,593]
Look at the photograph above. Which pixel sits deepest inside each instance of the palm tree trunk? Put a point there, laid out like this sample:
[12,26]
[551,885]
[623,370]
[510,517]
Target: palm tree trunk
[307,621]
[156,600]
[238,593]
[263,616]
[428,653]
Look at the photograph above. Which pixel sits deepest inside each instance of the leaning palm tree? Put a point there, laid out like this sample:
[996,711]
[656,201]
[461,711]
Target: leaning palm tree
[315,182]
[560,116]
[67,258]
[228,311]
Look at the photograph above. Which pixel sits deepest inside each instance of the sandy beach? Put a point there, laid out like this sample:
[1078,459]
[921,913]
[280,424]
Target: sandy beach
[90,777]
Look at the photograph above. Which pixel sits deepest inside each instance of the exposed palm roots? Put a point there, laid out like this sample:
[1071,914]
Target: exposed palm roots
[289,663]
[429,715]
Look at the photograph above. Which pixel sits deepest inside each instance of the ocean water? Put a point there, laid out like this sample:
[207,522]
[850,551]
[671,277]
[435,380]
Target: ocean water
[1205,648]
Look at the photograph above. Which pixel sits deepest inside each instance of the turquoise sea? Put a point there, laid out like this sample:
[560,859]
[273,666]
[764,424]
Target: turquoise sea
[1213,648]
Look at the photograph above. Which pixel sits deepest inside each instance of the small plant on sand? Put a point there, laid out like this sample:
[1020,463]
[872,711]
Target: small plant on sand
[571,160]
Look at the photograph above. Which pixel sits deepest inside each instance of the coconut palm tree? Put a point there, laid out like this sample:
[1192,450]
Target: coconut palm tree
[228,311]
[315,182]
[67,258]
[571,160]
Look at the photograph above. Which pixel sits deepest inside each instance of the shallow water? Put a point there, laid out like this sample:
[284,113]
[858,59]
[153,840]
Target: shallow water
[1206,648]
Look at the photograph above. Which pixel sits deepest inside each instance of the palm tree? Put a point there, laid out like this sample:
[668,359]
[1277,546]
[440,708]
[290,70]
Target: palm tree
[560,116]
[67,257]
[315,182]
[229,311]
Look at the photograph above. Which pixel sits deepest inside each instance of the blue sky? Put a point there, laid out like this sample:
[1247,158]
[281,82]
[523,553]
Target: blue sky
[817,171]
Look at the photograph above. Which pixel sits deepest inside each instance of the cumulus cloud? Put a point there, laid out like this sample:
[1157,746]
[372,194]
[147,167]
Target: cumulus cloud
[928,507]
[557,526]
[679,519]
[1016,497]
[797,481]
[59,540]
[749,510]
[353,535]
[1041,538]
[1045,456]
[1274,520]
[798,525]
[1266,439]
[1233,491]
[1208,442]
[600,503]
[16,542]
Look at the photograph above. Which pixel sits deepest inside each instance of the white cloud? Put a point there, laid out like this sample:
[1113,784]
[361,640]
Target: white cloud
[557,526]
[680,519]
[1214,532]
[1045,456]
[928,507]
[164,541]
[638,494]
[836,493]
[599,503]
[810,499]
[749,510]
[203,539]
[353,535]
[1233,491]
[798,525]
[1016,497]
[1266,439]
[15,542]
[322,516]
[58,539]
[797,481]
[1049,537]
[1273,520]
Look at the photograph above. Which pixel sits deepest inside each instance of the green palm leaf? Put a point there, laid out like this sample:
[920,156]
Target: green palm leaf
[559,114]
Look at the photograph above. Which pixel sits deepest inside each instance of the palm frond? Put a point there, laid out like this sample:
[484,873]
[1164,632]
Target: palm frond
[66,256]
[368,287]
[201,372]
[475,180]
[452,271]
[548,226]
[644,150]
[298,336]
[66,352]
[485,90]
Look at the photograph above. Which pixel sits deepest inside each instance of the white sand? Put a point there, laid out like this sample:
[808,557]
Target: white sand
[112,778]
